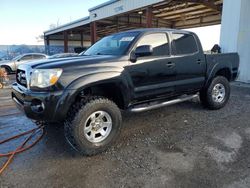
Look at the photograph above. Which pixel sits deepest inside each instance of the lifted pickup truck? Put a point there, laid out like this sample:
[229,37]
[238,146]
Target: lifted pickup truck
[136,70]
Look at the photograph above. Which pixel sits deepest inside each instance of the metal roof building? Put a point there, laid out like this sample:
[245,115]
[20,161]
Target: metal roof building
[120,15]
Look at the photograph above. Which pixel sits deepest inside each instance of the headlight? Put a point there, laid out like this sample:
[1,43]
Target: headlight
[43,78]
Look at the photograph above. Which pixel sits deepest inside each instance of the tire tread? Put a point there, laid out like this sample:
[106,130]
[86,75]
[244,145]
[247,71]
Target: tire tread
[73,116]
[205,94]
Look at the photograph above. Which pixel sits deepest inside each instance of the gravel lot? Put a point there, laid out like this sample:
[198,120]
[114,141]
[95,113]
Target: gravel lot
[178,146]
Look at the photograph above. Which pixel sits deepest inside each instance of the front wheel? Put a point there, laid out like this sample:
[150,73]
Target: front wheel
[93,125]
[216,95]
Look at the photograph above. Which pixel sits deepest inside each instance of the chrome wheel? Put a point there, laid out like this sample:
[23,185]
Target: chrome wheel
[98,126]
[218,93]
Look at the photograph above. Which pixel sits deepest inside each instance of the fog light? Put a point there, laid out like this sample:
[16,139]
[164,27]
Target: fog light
[37,106]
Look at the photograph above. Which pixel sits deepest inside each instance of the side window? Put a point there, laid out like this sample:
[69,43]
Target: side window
[38,57]
[184,43]
[26,58]
[159,42]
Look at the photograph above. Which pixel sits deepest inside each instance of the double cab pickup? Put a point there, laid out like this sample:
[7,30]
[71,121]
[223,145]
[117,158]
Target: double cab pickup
[136,70]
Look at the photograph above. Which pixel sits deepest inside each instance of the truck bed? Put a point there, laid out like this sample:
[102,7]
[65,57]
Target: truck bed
[224,60]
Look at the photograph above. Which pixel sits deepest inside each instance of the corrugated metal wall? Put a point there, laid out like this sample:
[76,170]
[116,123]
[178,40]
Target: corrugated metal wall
[119,7]
[235,33]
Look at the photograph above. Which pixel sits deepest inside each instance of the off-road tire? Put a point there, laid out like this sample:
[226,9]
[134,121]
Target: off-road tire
[78,114]
[206,94]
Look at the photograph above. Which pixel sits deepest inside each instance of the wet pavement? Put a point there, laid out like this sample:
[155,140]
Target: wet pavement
[183,145]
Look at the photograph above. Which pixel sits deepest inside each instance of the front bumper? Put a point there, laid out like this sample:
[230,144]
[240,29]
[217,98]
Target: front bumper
[41,106]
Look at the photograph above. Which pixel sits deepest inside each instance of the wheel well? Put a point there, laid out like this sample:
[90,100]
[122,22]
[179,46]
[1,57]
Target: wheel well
[108,90]
[224,72]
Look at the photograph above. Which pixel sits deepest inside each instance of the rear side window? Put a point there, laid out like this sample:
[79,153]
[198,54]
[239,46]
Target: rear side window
[38,57]
[159,42]
[26,58]
[184,43]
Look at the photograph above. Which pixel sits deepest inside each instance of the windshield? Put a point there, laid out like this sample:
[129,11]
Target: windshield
[116,44]
[17,57]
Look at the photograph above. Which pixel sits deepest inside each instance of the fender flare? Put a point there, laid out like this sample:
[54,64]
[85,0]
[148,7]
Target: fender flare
[74,88]
[215,69]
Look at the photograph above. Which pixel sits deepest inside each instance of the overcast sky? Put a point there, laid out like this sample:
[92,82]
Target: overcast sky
[21,21]
[209,35]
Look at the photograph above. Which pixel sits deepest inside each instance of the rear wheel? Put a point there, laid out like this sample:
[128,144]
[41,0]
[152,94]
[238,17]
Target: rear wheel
[216,95]
[7,69]
[93,125]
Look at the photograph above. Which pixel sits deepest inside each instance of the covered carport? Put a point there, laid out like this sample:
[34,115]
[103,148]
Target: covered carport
[76,33]
[120,15]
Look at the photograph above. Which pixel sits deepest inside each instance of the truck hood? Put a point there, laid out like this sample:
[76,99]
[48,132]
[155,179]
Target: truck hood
[77,67]
[75,62]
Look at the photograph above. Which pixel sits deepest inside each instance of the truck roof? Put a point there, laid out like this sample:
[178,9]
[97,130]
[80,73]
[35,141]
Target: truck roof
[142,30]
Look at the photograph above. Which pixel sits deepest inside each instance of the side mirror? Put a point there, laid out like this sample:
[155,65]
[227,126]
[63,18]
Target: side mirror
[141,51]
[145,50]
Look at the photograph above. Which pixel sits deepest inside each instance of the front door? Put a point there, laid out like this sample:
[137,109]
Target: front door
[153,75]
[23,59]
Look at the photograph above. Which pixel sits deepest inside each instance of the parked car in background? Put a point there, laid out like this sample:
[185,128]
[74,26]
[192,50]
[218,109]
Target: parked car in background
[63,55]
[11,65]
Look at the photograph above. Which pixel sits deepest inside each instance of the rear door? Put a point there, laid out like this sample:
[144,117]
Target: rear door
[153,75]
[190,62]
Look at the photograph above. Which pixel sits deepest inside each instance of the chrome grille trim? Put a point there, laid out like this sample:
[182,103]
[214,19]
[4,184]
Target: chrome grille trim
[28,71]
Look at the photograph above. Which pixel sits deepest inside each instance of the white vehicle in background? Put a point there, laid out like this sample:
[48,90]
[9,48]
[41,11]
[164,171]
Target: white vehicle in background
[63,55]
[11,65]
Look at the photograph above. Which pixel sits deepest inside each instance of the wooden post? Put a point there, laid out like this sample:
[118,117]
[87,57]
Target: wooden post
[47,49]
[117,24]
[149,17]
[93,33]
[65,37]
[81,39]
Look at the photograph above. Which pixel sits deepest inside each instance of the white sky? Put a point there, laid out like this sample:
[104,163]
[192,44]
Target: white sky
[209,35]
[21,21]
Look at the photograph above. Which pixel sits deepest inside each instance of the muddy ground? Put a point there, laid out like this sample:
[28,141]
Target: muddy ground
[183,145]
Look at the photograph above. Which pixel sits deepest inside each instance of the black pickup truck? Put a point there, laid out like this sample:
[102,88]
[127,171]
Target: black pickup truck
[136,70]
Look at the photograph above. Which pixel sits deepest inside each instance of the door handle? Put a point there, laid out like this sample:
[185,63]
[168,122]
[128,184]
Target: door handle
[199,61]
[170,64]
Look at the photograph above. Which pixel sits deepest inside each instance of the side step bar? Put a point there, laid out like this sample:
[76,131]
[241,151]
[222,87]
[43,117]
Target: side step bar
[166,103]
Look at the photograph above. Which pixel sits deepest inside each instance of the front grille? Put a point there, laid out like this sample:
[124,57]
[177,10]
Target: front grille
[21,77]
